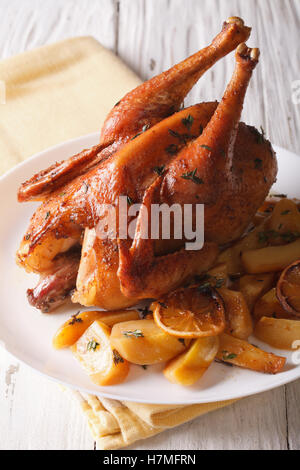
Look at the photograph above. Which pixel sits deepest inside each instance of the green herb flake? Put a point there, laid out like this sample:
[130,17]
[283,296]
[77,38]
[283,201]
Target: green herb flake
[191,175]
[204,287]
[75,319]
[188,121]
[206,147]
[117,358]
[285,212]
[144,312]
[133,334]
[27,236]
[219,283]
[175,134]
[228,356]
[159,170]
[172,149]
[129,201]
[162,304]
[144,129]
[47,215]
[92,345]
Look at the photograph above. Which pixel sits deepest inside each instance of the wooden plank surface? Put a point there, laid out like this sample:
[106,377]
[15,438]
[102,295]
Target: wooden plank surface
[151,35]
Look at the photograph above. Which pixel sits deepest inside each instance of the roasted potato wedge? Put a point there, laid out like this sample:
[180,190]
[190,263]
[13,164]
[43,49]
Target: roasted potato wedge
[190,365]
[269,306]
[104,365]
[278,332]
[243,354]
[232,255]
[238,318]
[284,222]
[73,328]
[270,259]
[253,286]
[143,342]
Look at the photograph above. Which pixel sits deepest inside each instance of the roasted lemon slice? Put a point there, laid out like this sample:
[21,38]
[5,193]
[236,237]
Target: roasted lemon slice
[288,288]
[193,312]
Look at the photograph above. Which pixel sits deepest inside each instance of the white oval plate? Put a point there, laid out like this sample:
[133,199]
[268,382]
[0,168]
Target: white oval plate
[27,334]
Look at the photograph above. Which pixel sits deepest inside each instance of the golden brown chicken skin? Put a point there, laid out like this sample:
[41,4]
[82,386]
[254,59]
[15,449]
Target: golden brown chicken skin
[144,150]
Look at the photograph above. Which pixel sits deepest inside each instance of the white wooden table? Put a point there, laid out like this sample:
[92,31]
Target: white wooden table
[151,35]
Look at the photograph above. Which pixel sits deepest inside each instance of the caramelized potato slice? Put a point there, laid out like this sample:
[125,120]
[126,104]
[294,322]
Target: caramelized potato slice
[270,259]
[278,332]
[238,318]
[253,286]
[232,255]
[143,342]
[243,354]
[189,366]
[284,221]
[104,365]
[73,328]
[269,306]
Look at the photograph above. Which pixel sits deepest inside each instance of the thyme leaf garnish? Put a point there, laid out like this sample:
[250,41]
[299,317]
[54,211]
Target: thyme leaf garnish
[117,358]
[159,170]
[75,319]
[228,356]
[206,147]
[191,175]
[92,345]
[172,149]
[133,334]
[129,201]
[144,128]
[162,304]
[144,312]
[188,121]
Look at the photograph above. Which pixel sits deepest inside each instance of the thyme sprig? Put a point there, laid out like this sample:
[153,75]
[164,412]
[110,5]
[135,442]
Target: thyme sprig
[191,175]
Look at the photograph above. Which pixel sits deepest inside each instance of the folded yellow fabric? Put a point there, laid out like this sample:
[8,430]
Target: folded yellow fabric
[56,93]
[53,94]
[116,424]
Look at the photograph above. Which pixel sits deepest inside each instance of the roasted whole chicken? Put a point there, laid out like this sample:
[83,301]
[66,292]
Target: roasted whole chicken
[153,152]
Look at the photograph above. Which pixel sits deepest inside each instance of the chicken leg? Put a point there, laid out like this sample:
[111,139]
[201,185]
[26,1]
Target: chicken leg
[219,185]
[141,108]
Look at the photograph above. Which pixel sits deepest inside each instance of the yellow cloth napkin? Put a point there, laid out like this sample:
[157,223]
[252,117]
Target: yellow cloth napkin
[116,424]
[53,94]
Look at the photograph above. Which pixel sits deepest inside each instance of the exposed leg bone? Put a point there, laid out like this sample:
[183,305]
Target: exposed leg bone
[145,106]
[162,95]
